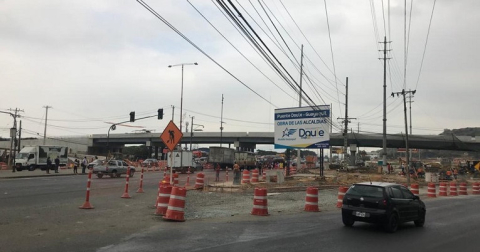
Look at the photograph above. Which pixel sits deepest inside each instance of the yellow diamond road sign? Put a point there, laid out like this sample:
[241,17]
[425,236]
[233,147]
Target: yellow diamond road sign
[171,135]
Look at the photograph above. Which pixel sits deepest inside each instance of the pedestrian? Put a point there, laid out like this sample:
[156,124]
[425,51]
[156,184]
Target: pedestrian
[84,164]
[57,164]
[75,166]
[455,173]
[49,164]
[236,173]
[217,173]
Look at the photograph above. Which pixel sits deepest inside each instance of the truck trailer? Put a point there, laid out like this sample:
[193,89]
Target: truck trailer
[180,161]
[225,157]
[33,157]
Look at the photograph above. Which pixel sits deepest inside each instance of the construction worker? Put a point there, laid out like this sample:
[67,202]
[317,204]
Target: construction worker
[449,175]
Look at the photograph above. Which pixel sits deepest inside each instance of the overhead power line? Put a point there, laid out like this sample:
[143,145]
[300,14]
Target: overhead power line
[198,48]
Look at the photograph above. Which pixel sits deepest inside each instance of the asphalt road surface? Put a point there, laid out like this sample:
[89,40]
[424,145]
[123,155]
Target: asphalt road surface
[41,214]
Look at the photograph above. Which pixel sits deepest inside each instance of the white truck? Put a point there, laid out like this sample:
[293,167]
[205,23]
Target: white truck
[33,157]
[180,161]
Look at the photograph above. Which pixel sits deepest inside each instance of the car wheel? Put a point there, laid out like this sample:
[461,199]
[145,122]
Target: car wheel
[421,220]
[347,220]
[132,172]
[99,175]
[392,223]
[31,168]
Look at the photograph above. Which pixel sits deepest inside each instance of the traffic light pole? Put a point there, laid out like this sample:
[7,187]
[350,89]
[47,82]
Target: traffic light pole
[114,126]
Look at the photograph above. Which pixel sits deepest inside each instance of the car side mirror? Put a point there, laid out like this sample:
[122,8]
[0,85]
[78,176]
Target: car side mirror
[415,197]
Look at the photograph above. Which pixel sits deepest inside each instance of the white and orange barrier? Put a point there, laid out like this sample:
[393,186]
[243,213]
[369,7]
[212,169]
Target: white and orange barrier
[3,166]
[200,180]
[255,176]
[476,188]
[125,194]
[431,191]
[341,193]
[311,200]
[140,188]
[453,189]
[462,190]
[176,204]
[414,188]
[87,204]
[260,206]
[245,177]
[442,189]
[163,198]
[175,179]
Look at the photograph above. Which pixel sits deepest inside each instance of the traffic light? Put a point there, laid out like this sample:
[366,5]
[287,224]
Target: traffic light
[132,116]
[160,114]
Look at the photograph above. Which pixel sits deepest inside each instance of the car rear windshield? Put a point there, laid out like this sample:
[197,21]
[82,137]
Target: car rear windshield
[366,191]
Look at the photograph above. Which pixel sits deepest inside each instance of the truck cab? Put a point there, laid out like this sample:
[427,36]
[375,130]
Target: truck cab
[26,159]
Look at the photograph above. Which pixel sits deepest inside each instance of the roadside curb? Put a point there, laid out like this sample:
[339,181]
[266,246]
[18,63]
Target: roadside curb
[38,176]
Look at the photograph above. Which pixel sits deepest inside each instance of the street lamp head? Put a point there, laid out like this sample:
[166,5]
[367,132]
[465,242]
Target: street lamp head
[195,63]
[169,65]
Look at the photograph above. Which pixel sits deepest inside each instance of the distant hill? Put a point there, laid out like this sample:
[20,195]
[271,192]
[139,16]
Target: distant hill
[462,132]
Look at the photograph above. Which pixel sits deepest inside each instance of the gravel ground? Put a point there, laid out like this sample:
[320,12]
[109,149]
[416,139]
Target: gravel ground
[200,205]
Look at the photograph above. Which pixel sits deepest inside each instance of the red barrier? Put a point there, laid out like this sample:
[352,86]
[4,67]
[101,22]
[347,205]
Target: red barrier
[140,188]
[199,181]
[414,188]
[87,205]
[341,193]
[442,189]
[163,198]
[463,189]
[125,194]
[431,190]
[311,200]
[260,202]
[453,189]
[245,177]
[176,204]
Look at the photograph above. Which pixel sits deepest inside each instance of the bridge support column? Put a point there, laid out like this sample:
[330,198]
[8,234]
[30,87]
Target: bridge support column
[353,151]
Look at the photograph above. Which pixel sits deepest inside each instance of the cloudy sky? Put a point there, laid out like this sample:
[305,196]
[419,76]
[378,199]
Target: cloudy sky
[95,61]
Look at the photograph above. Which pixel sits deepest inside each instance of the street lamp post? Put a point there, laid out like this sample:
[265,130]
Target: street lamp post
[191,131]
[181,92]
[112,127]
[181,103]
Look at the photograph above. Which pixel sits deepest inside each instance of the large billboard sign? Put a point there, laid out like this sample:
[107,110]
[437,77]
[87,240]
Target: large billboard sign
[302,128]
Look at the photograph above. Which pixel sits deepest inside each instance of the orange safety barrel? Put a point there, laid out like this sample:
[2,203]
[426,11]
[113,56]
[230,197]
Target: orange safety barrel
[311,200]
[260,206]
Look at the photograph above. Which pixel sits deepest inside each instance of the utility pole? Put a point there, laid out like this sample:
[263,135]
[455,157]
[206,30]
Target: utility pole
[331,130]
[19,136]
[221,124]
[13,137]
[384,156]
[358,128]
[299,153]
[45,129]
[173,112]
[346,120]
[410,96]
[407,156]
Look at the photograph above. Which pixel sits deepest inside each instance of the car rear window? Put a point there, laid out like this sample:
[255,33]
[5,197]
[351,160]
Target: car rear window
[366,191]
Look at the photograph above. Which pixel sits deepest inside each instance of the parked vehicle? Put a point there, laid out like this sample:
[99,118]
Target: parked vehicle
[180,161]
[245,159]
[113,168]
[223,156]
[385,203]
[33,157]
[94,163]
[150,162]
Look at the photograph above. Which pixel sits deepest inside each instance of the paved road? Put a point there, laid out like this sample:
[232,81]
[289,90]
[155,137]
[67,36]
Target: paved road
[452,225]
[41,214]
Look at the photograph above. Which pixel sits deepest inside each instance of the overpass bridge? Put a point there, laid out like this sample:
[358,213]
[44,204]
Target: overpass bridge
[249,140]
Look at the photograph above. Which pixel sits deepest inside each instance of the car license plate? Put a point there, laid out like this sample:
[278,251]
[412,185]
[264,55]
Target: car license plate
[360,214]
